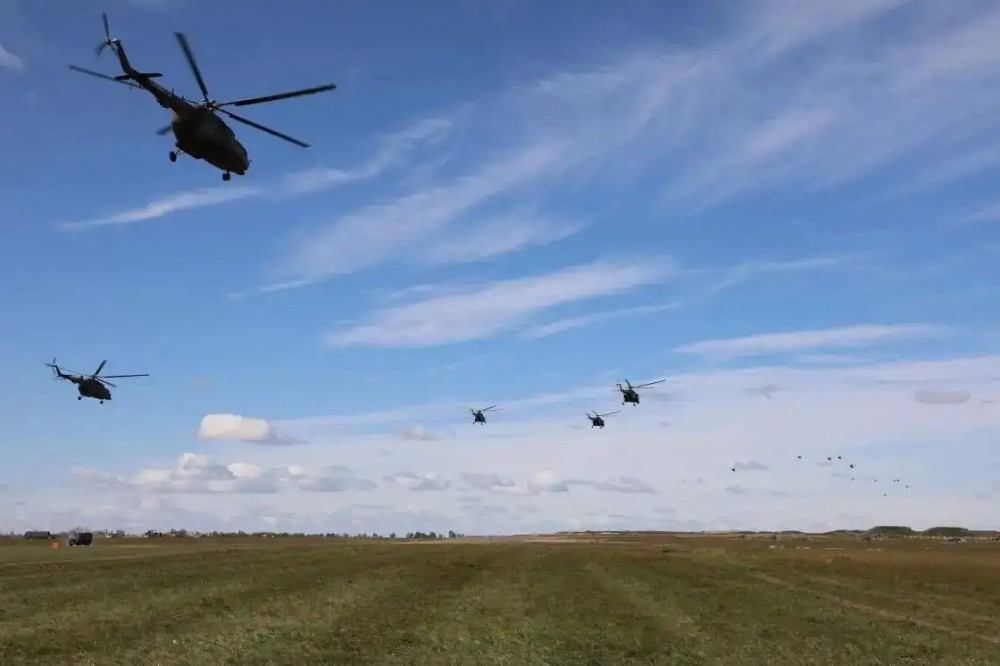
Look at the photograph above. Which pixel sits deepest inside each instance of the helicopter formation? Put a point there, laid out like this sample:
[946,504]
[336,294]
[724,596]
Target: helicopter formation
[96,386]
[198,131]
[630,394]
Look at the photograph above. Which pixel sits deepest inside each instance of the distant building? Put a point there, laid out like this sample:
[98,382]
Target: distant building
[38,534]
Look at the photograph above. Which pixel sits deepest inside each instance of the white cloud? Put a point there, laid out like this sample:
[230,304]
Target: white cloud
[570,323]
[942,397]
[749,466]
[622,484]
[10,61]
[392,149]
[412,481]
[419,433]
[495,307]
[384,231]
[712,282]
[867,414]
[546,481]
[496,236]
[173,203]
[201,474]
[846,337]
[242,428]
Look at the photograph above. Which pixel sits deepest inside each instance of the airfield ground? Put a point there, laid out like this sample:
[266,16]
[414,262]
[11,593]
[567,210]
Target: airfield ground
[531,600]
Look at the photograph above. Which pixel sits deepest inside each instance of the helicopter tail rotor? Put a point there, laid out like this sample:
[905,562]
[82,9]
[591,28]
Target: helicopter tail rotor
[107,41]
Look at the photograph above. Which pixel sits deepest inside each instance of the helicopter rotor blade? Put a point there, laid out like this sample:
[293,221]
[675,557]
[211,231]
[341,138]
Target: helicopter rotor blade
[610,413]
[103,76]
[99,368]
[165,130]
[659,381]
[62,370]
[264,129]
[144,374]
[279,96]
[489,408]
[103,381]
[194,66]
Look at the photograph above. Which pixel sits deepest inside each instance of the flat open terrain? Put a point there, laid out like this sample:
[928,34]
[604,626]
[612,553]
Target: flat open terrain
[599,600]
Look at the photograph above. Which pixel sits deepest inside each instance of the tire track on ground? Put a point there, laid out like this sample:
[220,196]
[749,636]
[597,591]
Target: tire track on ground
[874,610]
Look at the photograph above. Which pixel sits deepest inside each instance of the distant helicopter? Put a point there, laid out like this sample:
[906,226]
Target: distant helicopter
[597,420]
[630,394]
[477,414]
[198,131]
[90,386]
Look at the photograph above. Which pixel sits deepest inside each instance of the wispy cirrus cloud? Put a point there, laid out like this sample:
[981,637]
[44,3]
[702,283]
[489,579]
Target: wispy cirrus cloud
[496,236]
[495,307]
[571,323]
[392,150]
[714,121]
[10,61]
[848,337]
[174,203]
[710,282]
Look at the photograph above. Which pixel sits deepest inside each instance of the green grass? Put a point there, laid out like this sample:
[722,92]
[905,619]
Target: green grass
[649,599]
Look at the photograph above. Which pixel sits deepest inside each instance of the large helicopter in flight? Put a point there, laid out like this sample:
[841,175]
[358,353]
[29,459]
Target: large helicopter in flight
[198,131]
[478,416]
[597,420]
[90,386]
[629,392]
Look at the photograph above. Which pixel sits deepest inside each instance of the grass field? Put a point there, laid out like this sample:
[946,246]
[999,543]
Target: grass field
[612,600]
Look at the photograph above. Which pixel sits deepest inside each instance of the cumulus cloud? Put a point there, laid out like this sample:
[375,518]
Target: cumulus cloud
[411,481]
[201,474]
[485,481]
[622,484]
[942,397]
[241,428]
[749,466]
[546,481]
[418,432]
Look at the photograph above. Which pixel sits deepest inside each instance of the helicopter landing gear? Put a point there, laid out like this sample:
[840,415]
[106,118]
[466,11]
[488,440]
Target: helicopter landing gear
[173,156]
[79,397]
[226,176]
[101,402]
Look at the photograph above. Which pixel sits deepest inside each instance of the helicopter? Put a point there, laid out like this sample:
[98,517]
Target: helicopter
[477,414]
[90,386]
[597,420]
[198,131]
[630,394]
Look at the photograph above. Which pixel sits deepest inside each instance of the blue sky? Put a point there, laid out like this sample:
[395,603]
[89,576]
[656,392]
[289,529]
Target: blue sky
[788,211]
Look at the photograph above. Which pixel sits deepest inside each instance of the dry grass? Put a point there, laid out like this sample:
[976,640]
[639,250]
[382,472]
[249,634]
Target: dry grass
[602,600]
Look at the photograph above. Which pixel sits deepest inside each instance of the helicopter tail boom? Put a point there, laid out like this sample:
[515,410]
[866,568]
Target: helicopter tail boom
[138,76]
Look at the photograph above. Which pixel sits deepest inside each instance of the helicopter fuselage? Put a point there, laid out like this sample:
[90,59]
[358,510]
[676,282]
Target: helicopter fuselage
[478,418]
[597,422]
[204,136]
[197,130]
[629,395]
[88,387]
